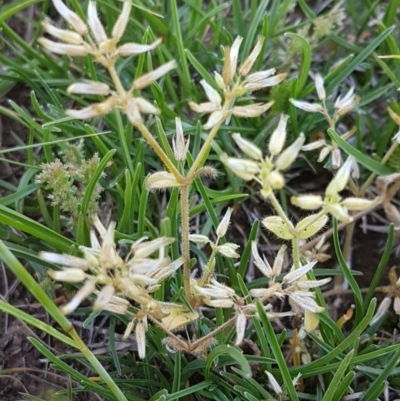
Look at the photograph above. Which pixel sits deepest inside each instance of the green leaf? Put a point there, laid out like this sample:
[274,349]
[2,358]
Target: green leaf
[375,389]
[369,49]
[347,273]
[233,352]
[364,160]
[305,68]
[381,268]
[331,390]
[16,7]
[255,22]
[39,324]
[277,351]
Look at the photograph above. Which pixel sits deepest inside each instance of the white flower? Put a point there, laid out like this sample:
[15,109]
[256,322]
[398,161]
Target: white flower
[265,170]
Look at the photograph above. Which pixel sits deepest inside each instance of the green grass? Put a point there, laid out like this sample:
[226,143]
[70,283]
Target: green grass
[194,33]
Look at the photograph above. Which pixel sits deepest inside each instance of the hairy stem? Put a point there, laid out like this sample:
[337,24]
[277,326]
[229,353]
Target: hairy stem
[184,193]
[296,252]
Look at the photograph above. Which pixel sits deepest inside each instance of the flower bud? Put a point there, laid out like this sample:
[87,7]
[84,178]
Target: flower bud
[214,119]
[261,264]
[70,275]
[250,60]
[103,297]
[212,95]
[122,21]
[309,107]
[89,88]
[359,203]
[233,55]
[147,79]
[272,81]
[340,180]
[383,308]
[241,322]
[62,48]
[72,18]
[247,147]
[133,49]
[224,224]
[251,110]
[199,239]
[178,142]
[64,260]
[228,250]
[161,180]
[245,169]
[307,202]
[278,137]
[276,179]
[289,155]
[319,86]
[70,37]
[339,212]
[87,289]
[94,23]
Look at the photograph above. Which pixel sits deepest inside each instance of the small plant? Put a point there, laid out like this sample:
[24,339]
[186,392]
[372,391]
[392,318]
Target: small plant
[178,286]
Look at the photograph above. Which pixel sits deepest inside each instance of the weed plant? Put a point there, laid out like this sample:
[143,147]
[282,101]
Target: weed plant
[150,128]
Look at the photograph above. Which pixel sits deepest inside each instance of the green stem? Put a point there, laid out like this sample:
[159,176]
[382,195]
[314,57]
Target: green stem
[116,81]
[160,152]
[97,366]
[184,192]
[207,143]
[296,252]
[277,206]
[209,268]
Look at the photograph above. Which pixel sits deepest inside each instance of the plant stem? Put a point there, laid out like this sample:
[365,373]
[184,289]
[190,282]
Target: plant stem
[296,252]
[278,208]
[160,152]
[116,81]
[207,143]
[97,365]
[184,193]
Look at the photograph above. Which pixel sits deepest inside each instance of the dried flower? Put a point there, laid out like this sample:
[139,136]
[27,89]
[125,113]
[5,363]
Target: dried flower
[294,284]
[102,266]
[393,292]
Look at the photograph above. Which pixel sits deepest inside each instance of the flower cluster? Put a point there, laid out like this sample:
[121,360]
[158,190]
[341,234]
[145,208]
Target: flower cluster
[342,105]
[332,203]
[235,83]
[134,278]
[294,284]
[267,171]
[91,39]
